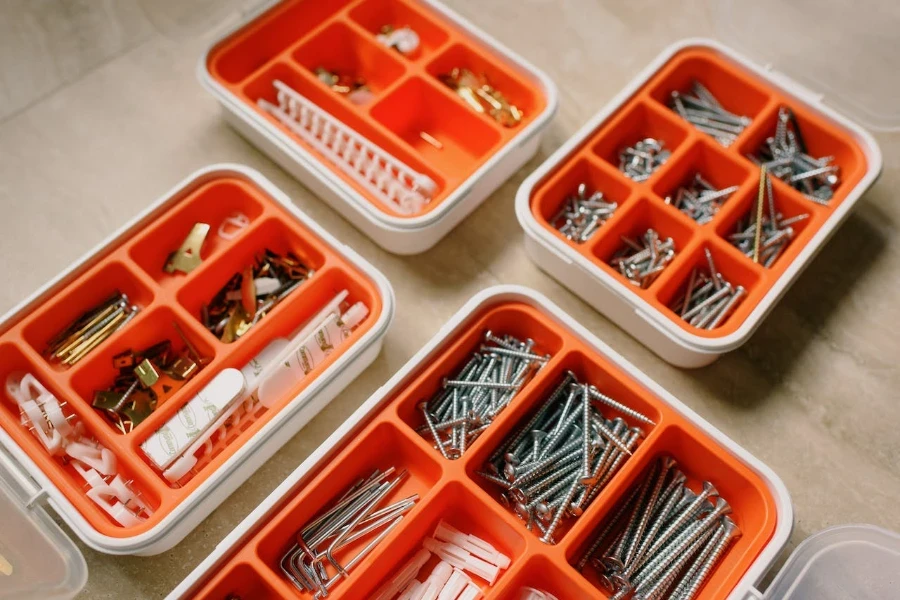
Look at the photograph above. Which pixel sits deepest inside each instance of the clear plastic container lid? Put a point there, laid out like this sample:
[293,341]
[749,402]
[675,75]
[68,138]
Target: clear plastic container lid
[846,52]
[848,561]
[37,559]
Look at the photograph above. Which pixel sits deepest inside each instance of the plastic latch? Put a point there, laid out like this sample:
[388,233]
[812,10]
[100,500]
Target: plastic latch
[795,88]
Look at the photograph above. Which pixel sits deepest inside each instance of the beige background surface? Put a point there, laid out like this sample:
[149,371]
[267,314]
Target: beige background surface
[100,113]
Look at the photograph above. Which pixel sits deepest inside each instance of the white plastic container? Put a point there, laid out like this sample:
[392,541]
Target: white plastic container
[49,556]
[475,315]
[469,176]
[642,316]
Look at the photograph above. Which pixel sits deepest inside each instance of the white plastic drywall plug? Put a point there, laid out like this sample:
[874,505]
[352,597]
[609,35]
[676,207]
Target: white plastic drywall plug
[472,592]
[410,590]
[455,585]
[437,580]
[405,575]
[469,542]
[462,559]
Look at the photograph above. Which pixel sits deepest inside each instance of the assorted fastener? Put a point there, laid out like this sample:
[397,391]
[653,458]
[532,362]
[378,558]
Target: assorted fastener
[641,260]
[702,110]
[468,403]
[708,299]
[91,329]
[354,88]
[554,465]
[664,541]
[700,200]
[582,214]
[764,234]
[482,97]
[461,554]
[787,157]
[638,162]
[402,39]
[251,294]
[316,563]
[187,257]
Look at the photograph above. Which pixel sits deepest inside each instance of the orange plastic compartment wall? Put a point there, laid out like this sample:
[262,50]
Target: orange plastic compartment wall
[291,40]
[133,264]
[642,205]
[451,490]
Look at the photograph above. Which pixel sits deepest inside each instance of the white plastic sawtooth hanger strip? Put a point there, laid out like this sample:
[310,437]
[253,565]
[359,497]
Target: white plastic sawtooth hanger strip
[490,297]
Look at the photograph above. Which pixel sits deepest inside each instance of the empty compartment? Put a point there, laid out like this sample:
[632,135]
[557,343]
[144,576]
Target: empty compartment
[714,167]
[517,320]
[376,15]
[504,78]
[251,47]
[821,139]
[553,195]
[459,508]
[544,574]
[241,581]
[100,372]
[735,269]
[736,90]
[445,134]
[224,205]
[380,448]
[86,293]
[701,460]
[635,123]
[641,216]
[356,59]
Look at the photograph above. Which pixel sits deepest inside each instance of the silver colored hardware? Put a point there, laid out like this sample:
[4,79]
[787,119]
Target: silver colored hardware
[708,299]
[582,214]
[638,162]
[641,261]
[701,109]
[700,200]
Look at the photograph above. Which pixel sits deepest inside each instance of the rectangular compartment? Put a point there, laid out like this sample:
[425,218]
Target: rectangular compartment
[468,155]
[451,491]
[642,110]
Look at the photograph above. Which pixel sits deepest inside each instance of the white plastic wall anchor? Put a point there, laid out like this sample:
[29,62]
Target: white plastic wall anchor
[406,574]
[472,592]
[455,585]
[95,456]
[410,590]
[461,559]
[437,580]
[471,543]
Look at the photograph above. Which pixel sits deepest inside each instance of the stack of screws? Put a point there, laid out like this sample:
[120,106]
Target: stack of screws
[355,88]
[701,200]
[582,214]
[708,299]
[482,97]
[765,243]
[642,260]
[553,466]
[664,540]
[249,295]
[786,157]
[467,404]
[147,379]
[638,162]
[91,329]
[702,110]
[314,564]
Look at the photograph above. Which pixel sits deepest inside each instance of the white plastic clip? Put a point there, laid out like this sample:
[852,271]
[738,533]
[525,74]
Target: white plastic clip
[472,544]
[232,225]
[109,497]
[93,455]
[462,559]
[33,418]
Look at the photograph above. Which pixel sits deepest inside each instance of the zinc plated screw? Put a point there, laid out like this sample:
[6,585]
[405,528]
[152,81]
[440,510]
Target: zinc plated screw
[639,161]
[702,110]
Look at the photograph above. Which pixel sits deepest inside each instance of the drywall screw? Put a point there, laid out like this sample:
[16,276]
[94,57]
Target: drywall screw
[582,214]
[708,299]
[642,262]
[729,533]
[702,110]
[423,406]
[700,200]
[625,410]
[639,161]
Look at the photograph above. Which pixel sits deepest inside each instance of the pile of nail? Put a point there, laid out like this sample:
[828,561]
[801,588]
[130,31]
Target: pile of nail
[701,200]
[482,97]
[64,436]
[91,329]
[553,466]
[787,157]
[664,540]
[402,39]
[702,110]
[249,295]
[354,88]
[641,260]
[764,244]
[461,554]
[315,563]
[638,162]
[582,214]
[146,380]
[467,404]
[708,299]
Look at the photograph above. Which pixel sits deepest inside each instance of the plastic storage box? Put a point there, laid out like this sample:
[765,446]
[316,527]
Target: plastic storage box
[131,260]
[591,156]
[382,433]
[469,155]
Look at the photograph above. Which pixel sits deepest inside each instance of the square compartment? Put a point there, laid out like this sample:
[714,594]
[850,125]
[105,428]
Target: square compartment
[417,107]
[375,14]
[241,580]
